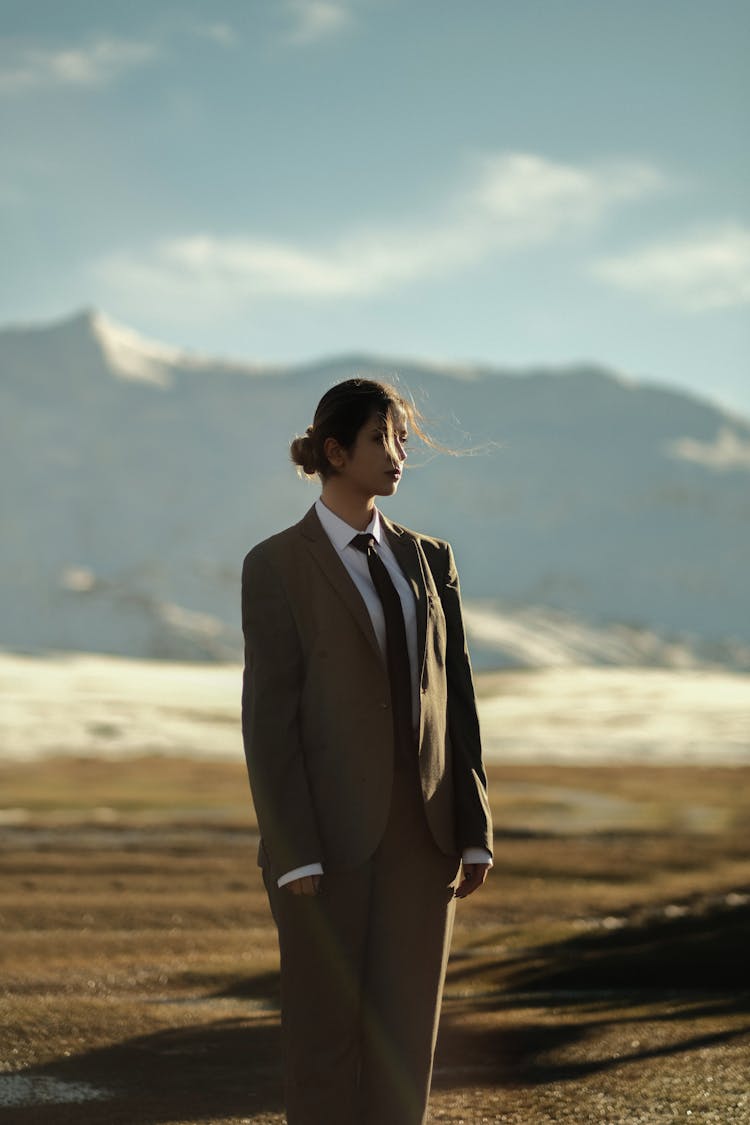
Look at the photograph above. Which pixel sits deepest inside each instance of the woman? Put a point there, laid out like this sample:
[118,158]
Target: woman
[363,752]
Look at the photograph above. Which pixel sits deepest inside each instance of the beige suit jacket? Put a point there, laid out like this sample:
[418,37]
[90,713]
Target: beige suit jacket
[316,715]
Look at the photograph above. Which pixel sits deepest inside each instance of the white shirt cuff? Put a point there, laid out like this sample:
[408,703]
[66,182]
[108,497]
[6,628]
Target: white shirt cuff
[476,855]
[469,855]
[299,873]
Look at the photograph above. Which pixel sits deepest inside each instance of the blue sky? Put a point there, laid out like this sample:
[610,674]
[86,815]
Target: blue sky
[514,183]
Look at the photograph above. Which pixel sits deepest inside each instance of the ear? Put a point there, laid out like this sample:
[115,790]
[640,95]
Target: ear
[335,455]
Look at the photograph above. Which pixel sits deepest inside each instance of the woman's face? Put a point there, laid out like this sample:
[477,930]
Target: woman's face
[372,467]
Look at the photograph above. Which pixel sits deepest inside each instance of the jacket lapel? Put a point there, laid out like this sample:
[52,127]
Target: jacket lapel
[327,558]
[406,550]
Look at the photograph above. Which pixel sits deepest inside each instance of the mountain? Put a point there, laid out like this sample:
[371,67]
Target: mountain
[135,476]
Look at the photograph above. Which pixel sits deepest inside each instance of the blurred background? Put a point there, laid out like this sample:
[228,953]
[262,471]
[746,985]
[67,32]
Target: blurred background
[533,217]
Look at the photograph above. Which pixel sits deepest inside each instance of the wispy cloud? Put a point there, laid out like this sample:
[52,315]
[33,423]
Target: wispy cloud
[516,200]
[313,21]
[534,199]
[221,33]
[248,267]
[95,64]
[699,271]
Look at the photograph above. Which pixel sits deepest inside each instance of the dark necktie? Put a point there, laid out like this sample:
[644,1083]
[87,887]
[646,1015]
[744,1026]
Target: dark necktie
[397,653]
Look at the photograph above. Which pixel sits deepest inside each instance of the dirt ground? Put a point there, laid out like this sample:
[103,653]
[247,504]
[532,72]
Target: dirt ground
[600,976]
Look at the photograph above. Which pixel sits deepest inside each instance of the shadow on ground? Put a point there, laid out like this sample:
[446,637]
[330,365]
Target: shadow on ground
[678,963]
[204,1073]
[693,956]
[699,943]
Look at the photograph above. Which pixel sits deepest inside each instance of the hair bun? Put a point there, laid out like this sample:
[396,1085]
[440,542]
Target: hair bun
[303,454]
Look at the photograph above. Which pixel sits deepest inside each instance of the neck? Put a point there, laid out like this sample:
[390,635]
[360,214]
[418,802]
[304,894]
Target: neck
[354,509]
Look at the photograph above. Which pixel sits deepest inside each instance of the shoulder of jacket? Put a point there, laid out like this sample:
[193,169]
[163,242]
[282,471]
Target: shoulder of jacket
[429,543]
[436,551]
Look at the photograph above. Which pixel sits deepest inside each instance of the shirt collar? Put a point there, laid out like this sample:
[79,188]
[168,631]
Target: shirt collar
[341,533]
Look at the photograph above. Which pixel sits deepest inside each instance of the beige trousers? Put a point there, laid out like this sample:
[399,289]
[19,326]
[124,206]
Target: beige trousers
[362,970]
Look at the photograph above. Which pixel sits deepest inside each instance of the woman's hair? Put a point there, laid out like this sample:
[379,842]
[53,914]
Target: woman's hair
[341,414]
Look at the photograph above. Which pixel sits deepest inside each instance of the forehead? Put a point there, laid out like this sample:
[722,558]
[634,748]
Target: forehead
[394,417]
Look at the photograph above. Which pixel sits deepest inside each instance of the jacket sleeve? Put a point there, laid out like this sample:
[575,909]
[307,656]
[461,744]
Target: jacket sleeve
[473,816]
[271,688]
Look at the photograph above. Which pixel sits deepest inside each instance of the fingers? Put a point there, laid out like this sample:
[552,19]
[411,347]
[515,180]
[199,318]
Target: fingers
[307,885]
[474,874]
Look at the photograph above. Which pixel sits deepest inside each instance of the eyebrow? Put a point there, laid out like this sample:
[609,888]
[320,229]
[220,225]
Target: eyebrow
[382,430]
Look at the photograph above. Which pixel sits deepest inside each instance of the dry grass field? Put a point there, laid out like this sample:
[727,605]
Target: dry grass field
[600,976]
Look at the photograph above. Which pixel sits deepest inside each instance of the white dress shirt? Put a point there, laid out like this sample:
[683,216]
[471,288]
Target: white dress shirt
[341,534]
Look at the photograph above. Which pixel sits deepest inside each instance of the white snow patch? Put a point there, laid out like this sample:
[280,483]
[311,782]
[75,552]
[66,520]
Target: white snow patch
[22,1090]
[653,715]
[189,621]
[728,450]
[113,707]
[79,579]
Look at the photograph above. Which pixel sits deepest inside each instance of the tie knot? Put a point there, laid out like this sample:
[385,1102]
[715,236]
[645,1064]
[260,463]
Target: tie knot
[364,542]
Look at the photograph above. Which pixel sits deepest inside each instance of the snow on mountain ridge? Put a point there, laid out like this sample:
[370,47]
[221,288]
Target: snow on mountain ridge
[131,356]
[537,637]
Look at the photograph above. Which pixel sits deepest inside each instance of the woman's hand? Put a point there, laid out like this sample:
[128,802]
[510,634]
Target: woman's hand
[307,885]
[474,874]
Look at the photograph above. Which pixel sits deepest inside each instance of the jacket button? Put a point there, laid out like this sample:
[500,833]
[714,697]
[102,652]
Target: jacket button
[384,706]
